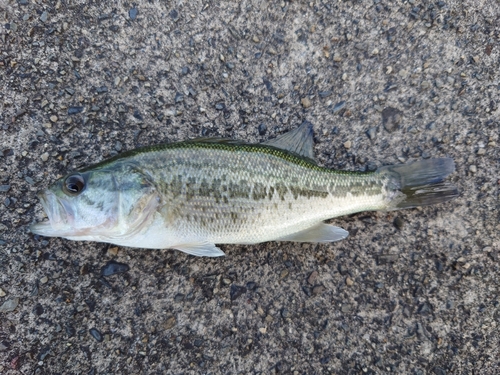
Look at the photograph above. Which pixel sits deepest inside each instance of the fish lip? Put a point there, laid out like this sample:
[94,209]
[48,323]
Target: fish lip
[59,212]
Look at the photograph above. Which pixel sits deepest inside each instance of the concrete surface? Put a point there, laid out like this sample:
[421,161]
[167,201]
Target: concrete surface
[411,292]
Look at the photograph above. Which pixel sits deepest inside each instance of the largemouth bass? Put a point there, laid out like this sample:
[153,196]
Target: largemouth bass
[194,194]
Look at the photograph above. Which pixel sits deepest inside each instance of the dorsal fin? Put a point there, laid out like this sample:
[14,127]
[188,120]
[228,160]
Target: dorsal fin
[299,141]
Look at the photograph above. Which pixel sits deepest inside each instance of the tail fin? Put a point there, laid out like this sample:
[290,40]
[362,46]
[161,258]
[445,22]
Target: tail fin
[422,182]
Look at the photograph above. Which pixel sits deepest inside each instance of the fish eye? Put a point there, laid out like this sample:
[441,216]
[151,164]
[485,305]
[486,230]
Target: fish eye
[74,184]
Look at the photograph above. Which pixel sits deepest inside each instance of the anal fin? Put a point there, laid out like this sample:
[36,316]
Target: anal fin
[319,233]
[200,249]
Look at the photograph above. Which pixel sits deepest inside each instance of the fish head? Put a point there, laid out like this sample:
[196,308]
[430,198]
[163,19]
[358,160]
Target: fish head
[96,205]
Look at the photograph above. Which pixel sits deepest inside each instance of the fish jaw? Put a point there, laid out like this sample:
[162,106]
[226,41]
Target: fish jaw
[57,214]
[61,217]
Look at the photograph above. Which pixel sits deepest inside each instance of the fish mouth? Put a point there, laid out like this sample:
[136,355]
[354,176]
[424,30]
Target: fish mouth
[60,216]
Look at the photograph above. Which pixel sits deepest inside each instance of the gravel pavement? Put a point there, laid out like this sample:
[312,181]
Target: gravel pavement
[383,82]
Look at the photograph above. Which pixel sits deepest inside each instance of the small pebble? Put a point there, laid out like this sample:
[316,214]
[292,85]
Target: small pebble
[4,188]
[112,268]
[349,281]
[236,291]
[169,323]
[174,14]
[113,251]
[74,110]
[53,118]
[306,103]
[347,145]
[2,293]
[263,330]
[132,13]
[96,334]
[45,156]
[391,118]
[481,151]
[44,280]
[312,277]
[399,223]
[473,168]
[44,16]
[9,305]
[262,129]
[372,133]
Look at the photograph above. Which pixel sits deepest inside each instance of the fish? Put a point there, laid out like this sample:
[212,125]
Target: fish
[194,194]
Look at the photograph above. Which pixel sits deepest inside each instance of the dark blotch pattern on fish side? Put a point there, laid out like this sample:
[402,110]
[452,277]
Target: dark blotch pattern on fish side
[240,190]
[281,189]
[301,192]
[216,190]
[191,188]
[366,187]
[205,190]
[175,186]
[259,191]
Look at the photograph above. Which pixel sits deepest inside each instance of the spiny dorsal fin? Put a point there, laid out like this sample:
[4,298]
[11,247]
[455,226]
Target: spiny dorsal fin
[299,141]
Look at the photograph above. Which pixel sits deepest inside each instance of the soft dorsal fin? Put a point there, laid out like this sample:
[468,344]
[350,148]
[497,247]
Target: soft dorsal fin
[299,141]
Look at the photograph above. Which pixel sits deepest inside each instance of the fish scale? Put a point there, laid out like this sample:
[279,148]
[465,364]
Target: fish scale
[194,194]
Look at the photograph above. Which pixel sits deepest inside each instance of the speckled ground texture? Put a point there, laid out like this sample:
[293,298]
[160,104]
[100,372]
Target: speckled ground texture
[409,292]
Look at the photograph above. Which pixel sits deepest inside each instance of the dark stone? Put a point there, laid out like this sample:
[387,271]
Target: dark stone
[90,304]
[391,118]
[439,371]
[185,71]
[96,334]
[386,258]
[132,13]
[114,28]
[220,106]
[75,110]
[113,267]
[398,223]
[324,94]
[4,188]
[269,85]
[70,330]
[38,309]
[102,89]
[44,353]
[174,14]
[179,97]
[262,129]
[137,115]
[236,291]
[338,107]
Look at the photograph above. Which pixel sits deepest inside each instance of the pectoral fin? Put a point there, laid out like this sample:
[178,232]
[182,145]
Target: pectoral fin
[200,249]
[319,233]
